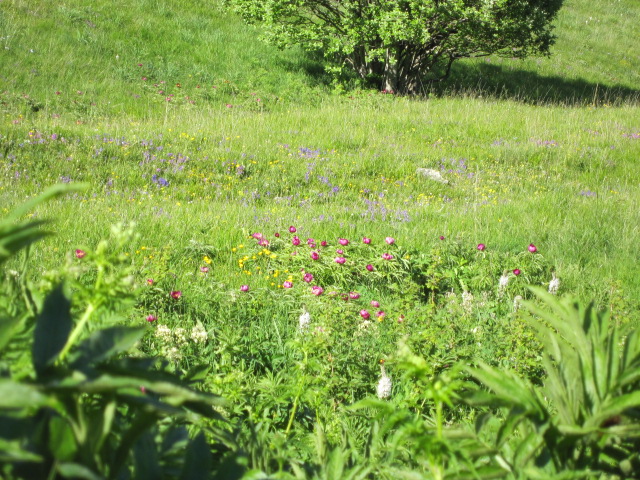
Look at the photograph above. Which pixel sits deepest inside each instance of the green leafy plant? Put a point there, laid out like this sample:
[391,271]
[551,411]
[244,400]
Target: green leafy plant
[584,419]
[89,406]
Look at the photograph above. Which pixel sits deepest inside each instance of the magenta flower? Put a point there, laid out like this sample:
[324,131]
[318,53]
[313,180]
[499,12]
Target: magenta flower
[375,303]
[149,281]
[340,260]
[80,253]
[387,256]
[364,314]
[264,242]
[366,240]
[151,318]
[380,314]
[315,255]
[339,252]
[390,240]
[176,294]
[369,267]
[323,243]
[292,229]
[516,271]
[441,237]
[277,235]
[287,284]
[244,288]
[343,241]
[354,295]
[317,290]
[258,236]
[295,241]
[481,247]
[532,248]
[307,277]
[204,269]
[310,241]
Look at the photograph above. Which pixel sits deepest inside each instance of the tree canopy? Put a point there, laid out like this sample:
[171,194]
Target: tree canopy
[402,44]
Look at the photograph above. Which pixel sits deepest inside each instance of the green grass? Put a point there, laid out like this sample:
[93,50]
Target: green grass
[252,139]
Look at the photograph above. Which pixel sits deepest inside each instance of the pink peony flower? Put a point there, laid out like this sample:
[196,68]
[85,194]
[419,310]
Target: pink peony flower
[204,269]
[149,281]
[323,243]
[366,240]
[343,241]
[339,252]
[244,288]
[277,235]
[264,242]
[287,284]
[310,241]
[151,318]
[364,314]
[369,267]
[390,240]
[533,248]
[340,260]
[258,236]
[380,314]
[354,295]
[317,290]
[307,277]
[295,241]
[292,229]
[387,256]
[516,271]
[375,303]
[80,253]
[176,294]
[315,255]
[441,237]
[481,247]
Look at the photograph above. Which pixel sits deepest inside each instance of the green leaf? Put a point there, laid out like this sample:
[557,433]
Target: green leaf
[145,457]
[52,330]
[20,395]
[105,343]
[8,328]
[11,451]
[76,471]
[198,461]
[61,439]
[52,192]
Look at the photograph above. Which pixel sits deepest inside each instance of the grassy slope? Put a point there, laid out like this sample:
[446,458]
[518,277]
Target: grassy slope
[96,51]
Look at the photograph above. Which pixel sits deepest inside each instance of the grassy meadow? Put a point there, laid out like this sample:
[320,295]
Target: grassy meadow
[250,190]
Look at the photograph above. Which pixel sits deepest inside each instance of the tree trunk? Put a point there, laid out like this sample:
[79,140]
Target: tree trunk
[390,79]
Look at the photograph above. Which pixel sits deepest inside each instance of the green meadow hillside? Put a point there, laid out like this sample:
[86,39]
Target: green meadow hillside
[353,272]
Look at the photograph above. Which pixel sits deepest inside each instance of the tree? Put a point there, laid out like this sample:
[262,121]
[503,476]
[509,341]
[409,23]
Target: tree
[402,44]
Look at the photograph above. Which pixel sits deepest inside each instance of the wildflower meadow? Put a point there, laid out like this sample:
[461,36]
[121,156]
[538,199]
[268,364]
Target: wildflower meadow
[219,262]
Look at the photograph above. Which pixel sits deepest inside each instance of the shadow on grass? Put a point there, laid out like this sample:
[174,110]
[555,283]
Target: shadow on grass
[529,87]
